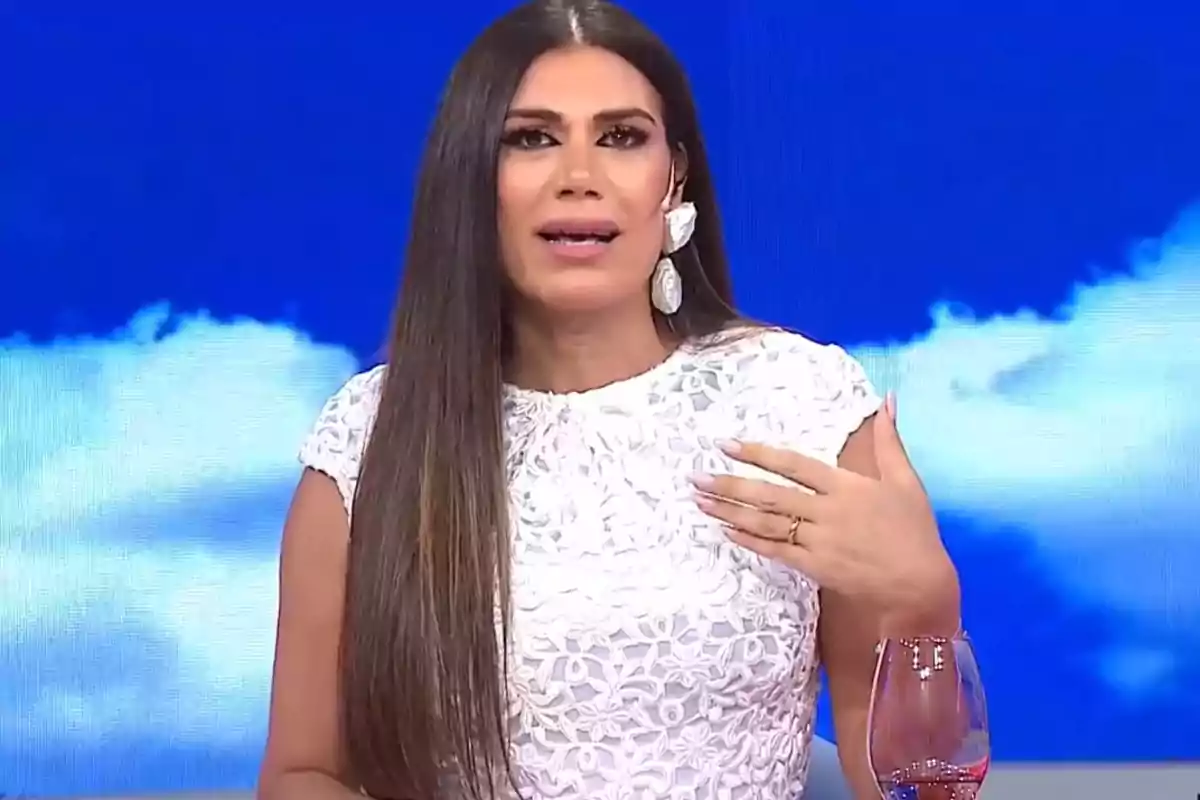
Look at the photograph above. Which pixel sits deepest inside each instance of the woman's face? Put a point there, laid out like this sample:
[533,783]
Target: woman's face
[584,169]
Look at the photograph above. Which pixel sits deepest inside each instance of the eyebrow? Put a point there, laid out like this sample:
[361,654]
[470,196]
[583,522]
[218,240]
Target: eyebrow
[608,115]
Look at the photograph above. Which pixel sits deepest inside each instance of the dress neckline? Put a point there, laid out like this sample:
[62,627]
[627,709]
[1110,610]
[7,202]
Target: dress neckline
[638,383]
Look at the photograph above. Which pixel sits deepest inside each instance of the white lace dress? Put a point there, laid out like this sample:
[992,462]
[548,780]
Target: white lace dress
[652,658]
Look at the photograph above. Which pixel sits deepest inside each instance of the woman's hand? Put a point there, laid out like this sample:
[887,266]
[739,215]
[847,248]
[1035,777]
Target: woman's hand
[873,539]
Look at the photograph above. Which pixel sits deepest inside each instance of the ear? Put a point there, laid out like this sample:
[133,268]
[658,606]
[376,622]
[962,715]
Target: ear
[679,166]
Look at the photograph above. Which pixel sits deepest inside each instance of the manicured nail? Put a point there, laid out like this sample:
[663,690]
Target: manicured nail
[701,481]
[729,446]
[889,404]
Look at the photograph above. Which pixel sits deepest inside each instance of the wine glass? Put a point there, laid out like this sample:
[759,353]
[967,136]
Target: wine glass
[927,728]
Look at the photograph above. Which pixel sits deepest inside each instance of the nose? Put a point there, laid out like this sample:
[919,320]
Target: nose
[577,174]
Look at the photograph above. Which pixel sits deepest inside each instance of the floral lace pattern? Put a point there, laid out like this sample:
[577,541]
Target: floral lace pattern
[650,657]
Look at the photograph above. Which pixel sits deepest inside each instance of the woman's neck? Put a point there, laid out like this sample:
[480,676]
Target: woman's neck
[579,356]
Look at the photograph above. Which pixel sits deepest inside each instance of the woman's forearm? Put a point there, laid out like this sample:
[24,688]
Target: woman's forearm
[308,785]
[852,753]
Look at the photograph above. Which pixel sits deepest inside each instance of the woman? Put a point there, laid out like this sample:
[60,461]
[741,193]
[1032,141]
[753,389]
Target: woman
[568,542]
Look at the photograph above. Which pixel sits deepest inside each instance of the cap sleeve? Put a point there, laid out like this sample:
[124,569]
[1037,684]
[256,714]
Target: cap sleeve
[815,395]
[851,397]
[337,440]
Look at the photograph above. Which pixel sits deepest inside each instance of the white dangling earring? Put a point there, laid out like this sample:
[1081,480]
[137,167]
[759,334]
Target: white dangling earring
[666,286]
[666,289]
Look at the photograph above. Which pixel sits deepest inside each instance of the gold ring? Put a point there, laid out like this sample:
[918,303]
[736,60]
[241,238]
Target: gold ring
[795,527]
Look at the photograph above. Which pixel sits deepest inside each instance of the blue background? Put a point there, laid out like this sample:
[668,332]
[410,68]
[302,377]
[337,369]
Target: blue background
[201,214]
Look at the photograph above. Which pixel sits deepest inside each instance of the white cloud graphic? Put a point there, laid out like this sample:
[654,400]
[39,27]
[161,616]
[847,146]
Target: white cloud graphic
[163,406]
[192,631]
[1081,429]
[145,478]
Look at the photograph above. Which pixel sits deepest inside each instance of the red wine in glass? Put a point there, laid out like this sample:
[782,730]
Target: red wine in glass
[928,729]
[934,782]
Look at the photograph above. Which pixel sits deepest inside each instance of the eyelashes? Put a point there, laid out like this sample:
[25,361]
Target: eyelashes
[618,137]
[627,137]
[527,139]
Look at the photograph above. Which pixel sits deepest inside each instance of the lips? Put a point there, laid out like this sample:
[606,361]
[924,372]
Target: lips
[579,232]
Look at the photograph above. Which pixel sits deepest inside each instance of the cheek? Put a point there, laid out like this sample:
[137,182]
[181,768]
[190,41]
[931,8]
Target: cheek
[641,184]
[517,192]
[645,221]
[521,181]
[641,188]
[513,193]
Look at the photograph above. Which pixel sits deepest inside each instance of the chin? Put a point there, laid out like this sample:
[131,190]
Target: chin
[586,297]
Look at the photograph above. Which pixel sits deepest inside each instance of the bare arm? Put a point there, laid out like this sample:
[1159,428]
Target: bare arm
[303,756]
[848,633]
[847,636]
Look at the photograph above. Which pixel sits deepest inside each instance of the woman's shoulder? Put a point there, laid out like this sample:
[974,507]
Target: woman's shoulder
[773,353]
[353,406]
[791,380]
[335,444]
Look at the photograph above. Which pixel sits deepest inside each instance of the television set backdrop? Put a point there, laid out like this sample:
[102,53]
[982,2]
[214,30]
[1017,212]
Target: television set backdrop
[202,213]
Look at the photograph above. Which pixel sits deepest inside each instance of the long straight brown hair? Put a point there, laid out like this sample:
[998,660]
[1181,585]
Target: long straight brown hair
[424,643]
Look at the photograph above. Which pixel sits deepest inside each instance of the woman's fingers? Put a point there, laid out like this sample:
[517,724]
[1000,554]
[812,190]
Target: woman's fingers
[789,530]
[804,470]
[785,501]
[798,558]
